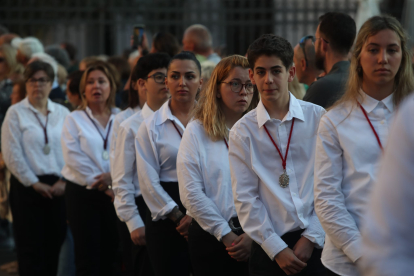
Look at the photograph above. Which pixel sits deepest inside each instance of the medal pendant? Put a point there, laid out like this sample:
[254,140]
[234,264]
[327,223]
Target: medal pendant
[105,155]
[284,179]
[46,149]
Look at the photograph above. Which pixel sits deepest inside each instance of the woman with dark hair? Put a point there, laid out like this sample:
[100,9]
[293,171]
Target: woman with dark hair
[73,89]
[86,137]
[156,143]
[32,152]
[165,43]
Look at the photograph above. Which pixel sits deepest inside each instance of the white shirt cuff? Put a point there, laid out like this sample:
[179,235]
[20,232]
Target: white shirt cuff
[353,250]
[317,238]
[222,231]
[273,245]
[162,214]
[135,223]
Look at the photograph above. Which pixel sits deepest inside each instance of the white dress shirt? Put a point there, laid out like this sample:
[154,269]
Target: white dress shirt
[387,232]
[124,170]
[266,210]
[204,179]
[83,147]
[23,140]
[118,119]
[346,165]
[156,145]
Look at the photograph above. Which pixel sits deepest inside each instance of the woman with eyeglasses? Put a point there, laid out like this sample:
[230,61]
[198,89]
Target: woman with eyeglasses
[217,244]
[32,152]
[157,143]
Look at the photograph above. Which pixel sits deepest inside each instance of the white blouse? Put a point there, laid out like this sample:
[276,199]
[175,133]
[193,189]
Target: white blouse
[23,140]
[156,145]
[83,147]
[204,179]
[124,170]
[346,166]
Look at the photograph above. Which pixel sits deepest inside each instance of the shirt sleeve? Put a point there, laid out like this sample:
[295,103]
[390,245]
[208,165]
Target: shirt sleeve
[112,146]
[12,150]
[124,165]
[388,241]
[330,207]
[157,199]
[192,191]
[73,155]
[250,209]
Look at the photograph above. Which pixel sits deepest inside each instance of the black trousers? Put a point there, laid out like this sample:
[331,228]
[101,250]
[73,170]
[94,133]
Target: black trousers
[168,250]
[210,257]
[330,273]
[39,226]
[261,265]
[135,257]
[92,220]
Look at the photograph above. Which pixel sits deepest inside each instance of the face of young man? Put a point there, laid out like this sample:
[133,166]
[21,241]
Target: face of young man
[271,78]
[156,90]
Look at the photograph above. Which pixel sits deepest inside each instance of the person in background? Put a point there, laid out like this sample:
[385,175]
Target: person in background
[32,152]
[60,55]
[296,88]
[73,89]
[197,39]
[7,38]
[217,244]
[26,48]
[351,138]
[207,68]
[165,43]
[123,72]
[88,61]
[334,38]
[304,59]
[72,51]
[19,92]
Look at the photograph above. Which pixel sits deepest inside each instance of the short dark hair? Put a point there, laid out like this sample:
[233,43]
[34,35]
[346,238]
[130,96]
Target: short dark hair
[166,43]
[339,30]
[186,55]
[75,79]
[71,49]
[141,70]
[122,66]
[36,66]
[270,45]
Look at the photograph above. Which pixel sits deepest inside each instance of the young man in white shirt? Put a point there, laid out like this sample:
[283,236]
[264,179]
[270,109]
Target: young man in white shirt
[271,154]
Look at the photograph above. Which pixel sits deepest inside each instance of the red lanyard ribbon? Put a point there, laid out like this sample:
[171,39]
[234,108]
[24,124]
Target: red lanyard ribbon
[372,127]
[44,127]
[105,139]
[176,128]
[288,144]
[227,145]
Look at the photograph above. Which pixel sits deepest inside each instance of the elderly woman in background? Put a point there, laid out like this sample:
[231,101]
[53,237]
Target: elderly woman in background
[32,152]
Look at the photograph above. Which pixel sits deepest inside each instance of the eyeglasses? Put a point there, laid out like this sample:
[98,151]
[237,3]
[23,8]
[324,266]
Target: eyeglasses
[302,43]
[41,81]
[158,78]
[237,86]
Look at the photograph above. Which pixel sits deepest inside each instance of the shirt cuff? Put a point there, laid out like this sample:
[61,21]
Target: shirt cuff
[318,238]
[30,181]
[135,223]
[162,214]
[222,231]
[353,250]
[273,245]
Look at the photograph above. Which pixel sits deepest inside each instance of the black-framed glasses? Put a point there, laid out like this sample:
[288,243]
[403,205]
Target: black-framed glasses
[41,81]
[302,43]
[237,86]
[158,78]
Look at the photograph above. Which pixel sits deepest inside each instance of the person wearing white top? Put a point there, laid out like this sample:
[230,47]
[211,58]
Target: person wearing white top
[271,154]
[85,141]
[204,172]
[351,136]
[129,204]
[33,154]
[157,143]
[388,243]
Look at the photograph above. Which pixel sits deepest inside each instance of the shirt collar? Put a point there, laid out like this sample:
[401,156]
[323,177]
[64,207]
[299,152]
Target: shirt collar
[89,111]
[295,111]
[369,103]
[165,113]
[146,111]
[50,106]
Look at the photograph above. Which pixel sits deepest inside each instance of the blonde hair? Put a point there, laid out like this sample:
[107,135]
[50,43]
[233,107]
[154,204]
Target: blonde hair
[104,68]
[10,55]
[404,82]
[208,110]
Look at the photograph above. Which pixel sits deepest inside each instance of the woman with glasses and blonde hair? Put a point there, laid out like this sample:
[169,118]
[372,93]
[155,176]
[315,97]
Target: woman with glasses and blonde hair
[32,152]
[217,244]
[352,134]
[85,141]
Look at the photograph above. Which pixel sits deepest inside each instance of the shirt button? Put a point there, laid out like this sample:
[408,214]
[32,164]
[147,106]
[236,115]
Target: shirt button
[300,216]
[382,122]
[294,194]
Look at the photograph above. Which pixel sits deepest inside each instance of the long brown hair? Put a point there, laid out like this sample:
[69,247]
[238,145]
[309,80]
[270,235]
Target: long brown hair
[404,79]
[209,110]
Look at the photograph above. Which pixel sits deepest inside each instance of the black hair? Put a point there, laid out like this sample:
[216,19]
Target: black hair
[166,43]
[121,65]
[339,30]
[70,49]
[270,45]
[36,66]
[186,55]
[144,66]
[74,84]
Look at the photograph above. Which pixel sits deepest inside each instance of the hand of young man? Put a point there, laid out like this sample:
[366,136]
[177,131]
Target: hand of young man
[110,193]
[138,236]
[288,262]
[43,189]
[303,249]
[58,189]
[240,249]
[184,225]
[102,182]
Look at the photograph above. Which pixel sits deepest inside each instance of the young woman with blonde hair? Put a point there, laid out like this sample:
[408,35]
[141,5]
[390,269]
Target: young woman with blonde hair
[204,172]
[352,134]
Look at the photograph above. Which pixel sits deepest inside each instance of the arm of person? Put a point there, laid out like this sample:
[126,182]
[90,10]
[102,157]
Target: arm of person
[112,146]
[192,191]
[157,199]
[330,207]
